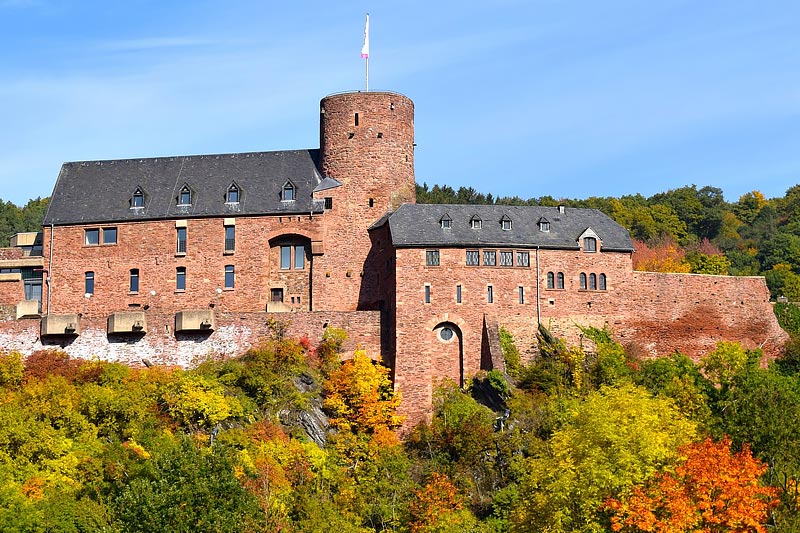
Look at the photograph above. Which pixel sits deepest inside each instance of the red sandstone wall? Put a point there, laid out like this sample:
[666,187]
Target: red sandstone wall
[655,314]
[11,292]
[151,247]
[234,334]
[690,313]
[374,168]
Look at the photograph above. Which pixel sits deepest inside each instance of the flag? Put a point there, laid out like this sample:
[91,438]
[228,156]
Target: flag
[365,48]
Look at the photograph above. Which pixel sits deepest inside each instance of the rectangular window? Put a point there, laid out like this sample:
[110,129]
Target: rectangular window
[89,283]
[181,241]
[523,259]
[521,291]
[506,259]
[490,294]
[432,258]
[458,294]
[286,258]
[92,237]
[489,257]
[299,257]
[427,294]
[229,276]
[230,238]
[473,258]
[276,295]
[134,284]
[328,202]
[180,279]
[109,235]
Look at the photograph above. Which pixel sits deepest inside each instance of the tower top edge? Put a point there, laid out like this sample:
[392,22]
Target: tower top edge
[365,94]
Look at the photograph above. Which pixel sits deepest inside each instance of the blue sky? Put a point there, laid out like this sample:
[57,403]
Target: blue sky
[568,99]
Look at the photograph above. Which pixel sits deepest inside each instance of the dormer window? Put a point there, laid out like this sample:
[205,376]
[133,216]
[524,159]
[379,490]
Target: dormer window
[446,222]
[137,200]
[185,196]
[475,222]
[232,197]
[287,194]
[589,244]
[505,223]
[544,225]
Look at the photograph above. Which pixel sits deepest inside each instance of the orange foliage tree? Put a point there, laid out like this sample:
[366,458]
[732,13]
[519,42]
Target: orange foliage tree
[436,504]
[663,256]
[714,491]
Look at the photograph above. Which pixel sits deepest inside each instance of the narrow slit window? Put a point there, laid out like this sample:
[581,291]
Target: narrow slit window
[88,283]
[181,240]
[180,279]
[134,281]
[490,294]
[458,294]
[229,276]
[230,238]
[427,294]
[355,121]
[521,291]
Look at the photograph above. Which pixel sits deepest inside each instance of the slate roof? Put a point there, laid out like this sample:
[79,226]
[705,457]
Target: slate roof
[413,225]
[101,191]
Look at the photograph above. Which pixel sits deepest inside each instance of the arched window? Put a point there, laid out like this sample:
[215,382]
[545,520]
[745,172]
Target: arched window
[602,282]
[232,196]
[551,280]
[589,244]
[560,280]
[592,282]
[287,194]
[583,282]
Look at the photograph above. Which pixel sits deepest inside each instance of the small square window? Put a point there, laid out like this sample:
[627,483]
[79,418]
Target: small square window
[506,224]
[328,202]
[589,244]
[473,258]
[92,237]
[109,235]
[276,295]
[489,258]
[446,223]
[476,223]
[432,258]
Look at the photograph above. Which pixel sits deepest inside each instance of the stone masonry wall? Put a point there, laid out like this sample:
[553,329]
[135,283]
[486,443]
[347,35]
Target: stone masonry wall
[150,246]
[234,334]
[653,314]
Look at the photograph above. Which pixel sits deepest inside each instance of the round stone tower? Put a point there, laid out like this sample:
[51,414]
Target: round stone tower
[367,143]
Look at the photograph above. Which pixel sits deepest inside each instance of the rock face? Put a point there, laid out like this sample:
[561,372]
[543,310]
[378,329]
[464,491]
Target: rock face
[312,420]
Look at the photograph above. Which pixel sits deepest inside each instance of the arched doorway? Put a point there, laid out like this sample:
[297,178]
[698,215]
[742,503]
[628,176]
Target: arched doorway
[448,358]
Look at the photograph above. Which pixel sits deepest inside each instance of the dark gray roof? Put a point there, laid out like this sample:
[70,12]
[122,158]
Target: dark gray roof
[101,191]
[327,183]
[420,225]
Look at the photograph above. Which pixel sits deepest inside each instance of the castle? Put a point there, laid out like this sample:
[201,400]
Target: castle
[174,259]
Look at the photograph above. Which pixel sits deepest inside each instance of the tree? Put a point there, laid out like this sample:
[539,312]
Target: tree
[713,490]
[616,438]
[663,256]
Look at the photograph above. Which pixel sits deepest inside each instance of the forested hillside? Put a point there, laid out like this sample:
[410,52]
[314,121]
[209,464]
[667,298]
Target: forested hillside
[575,442]
[15,219]
[689,229]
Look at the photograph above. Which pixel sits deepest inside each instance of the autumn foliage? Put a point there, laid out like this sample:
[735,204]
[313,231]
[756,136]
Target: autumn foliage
[664,256]
[714,490]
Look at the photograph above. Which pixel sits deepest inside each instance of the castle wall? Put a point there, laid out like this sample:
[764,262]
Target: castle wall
[234,334]
[652,314]
[151,247]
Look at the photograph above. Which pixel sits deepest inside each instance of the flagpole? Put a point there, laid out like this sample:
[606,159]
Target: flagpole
[365,49]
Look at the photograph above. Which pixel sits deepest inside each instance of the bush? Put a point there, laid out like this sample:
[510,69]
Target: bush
[12,369]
